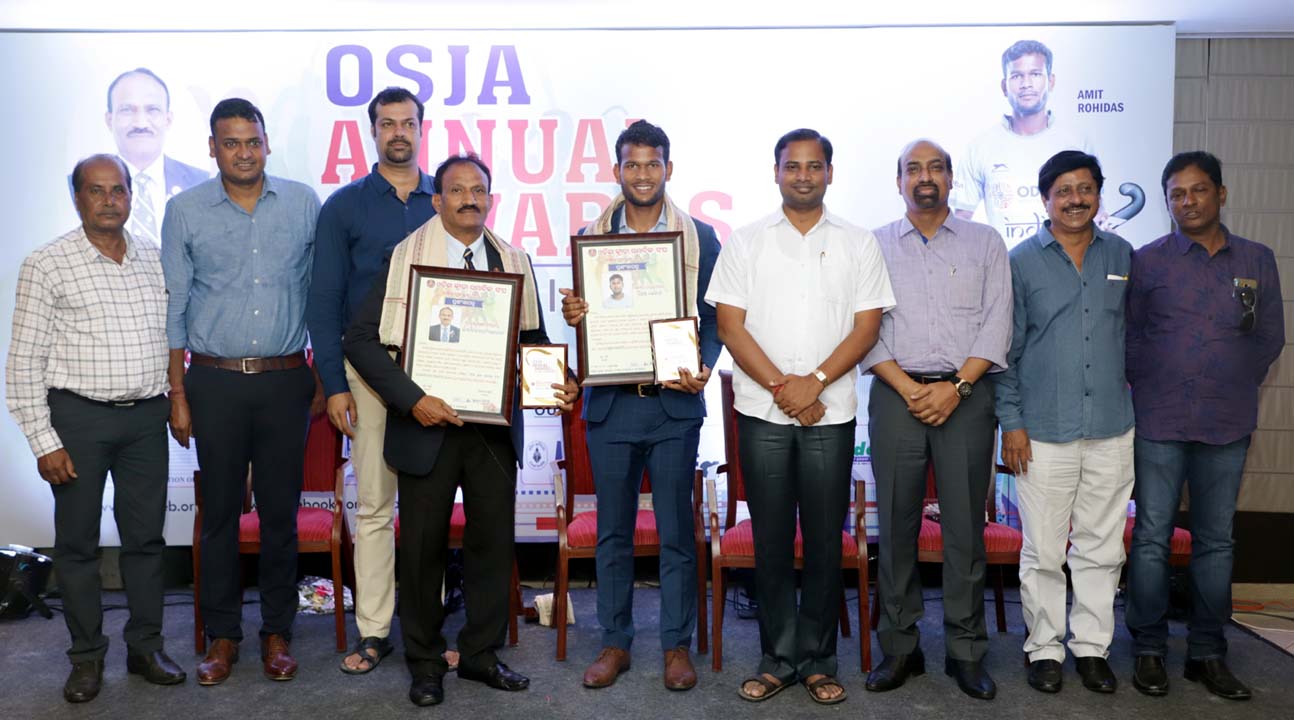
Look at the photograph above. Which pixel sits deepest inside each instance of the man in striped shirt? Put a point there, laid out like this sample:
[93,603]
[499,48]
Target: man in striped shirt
[85,381]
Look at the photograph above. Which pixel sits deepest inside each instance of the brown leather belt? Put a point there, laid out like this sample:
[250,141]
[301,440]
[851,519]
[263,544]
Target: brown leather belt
[250,366]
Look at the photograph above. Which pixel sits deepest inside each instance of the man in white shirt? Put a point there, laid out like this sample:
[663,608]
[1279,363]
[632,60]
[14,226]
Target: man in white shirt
[799,296]
[85,382]
[1001,165]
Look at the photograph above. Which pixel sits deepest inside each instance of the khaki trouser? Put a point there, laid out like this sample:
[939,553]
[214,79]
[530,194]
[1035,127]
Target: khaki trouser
[374,520]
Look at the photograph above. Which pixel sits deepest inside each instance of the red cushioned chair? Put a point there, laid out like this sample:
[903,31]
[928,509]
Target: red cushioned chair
[457,524]
[1179,547]
[1002,544]
[577,537]
[733,545]
[318,529]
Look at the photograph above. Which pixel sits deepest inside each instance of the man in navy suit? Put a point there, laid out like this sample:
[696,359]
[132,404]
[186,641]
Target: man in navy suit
[139,116]
[446,331]
[657,427]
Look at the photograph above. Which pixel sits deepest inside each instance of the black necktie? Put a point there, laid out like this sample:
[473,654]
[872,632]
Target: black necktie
[467,259]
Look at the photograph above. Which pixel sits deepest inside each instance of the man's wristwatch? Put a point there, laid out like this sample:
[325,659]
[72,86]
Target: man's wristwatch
[821,376]
[964,388]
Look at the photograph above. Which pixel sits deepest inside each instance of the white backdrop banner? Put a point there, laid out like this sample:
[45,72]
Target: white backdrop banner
[543,109]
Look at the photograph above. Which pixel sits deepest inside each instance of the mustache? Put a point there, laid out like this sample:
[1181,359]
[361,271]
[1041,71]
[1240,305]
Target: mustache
[139,131]
[469,208]
[1078,207]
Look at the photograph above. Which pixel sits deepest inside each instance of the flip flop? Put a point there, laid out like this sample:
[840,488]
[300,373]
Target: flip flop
[770,688]
[381,646]
[824,681]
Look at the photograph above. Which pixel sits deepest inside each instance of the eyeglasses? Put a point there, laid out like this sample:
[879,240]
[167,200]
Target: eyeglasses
[1248,298]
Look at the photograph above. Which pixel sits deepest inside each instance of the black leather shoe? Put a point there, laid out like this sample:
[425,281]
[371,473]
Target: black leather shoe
[971,677]
[427,690]
[499,677]
[1217,677]
[1149,676]
[1045,676]
[156,667]
[894,670]
[1096,674]
[84,681]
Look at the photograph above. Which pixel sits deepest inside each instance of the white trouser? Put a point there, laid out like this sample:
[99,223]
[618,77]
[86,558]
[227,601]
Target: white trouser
[374,520]
[1075,492]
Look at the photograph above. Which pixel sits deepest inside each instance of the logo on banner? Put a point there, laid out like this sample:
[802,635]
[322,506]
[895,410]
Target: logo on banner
[536,455]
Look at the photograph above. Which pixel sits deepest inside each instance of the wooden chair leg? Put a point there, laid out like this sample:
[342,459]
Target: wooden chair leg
[999,600]
[702,641]
[844,613]
[559,602]
[716,632]
[339,597]
[864,611]
[514,604]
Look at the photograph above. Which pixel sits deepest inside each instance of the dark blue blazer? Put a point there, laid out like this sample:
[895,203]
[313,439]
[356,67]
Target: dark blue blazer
[179,177]
[678,405]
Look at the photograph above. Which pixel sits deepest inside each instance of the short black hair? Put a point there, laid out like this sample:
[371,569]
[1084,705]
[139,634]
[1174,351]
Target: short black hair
[78,170]
[798,135]
[1068,161]
[616,276]
[453,160]
[1022,48]
[1202,159]
[389,96]
[139,71]
[236,108]
[948,159]
[643,133]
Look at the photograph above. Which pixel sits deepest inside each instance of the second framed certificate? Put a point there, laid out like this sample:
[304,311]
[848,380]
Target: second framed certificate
[460,339]
[627,281]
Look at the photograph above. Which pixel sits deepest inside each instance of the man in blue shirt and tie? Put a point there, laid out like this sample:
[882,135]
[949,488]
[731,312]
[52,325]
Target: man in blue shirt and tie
[236,253]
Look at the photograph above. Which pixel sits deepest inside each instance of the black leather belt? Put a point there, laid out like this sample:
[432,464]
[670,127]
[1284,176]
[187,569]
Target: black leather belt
[932,379]
[250,366]
[641,389]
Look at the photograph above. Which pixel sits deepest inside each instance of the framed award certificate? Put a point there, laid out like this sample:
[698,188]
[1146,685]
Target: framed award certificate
[627,281]
[460,339]
[541,366]
[675,344]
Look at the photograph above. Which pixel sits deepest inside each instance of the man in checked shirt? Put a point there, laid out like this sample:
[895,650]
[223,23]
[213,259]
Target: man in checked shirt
[85,381]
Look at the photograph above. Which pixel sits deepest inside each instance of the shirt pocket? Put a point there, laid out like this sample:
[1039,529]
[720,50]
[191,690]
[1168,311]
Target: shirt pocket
[1116,292]
[966,290]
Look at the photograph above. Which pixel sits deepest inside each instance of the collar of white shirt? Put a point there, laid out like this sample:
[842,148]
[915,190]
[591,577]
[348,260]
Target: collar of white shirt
[455,250]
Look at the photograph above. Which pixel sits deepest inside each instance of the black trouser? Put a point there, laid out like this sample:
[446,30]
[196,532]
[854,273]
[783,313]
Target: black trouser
[259,419]
[129,442]
[962,452]
[481,460]
[785,468]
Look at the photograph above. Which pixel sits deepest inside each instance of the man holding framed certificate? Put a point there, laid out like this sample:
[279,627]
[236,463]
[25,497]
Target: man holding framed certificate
[647,425]
[799,296]
[432,448]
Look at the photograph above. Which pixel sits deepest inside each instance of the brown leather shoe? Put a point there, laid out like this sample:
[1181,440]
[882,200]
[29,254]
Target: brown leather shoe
[679,673]
[604,671]
[219,662]
[278,662]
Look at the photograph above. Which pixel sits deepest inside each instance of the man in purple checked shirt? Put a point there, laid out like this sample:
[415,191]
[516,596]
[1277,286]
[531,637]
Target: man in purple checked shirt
[1204,325]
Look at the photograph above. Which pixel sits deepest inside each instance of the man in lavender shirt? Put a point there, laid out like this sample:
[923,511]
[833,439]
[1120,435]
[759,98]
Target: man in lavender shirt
[1204,325]
[950,328]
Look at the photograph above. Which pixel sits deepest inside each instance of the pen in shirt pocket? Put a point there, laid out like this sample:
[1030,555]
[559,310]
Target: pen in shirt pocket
[1113,276]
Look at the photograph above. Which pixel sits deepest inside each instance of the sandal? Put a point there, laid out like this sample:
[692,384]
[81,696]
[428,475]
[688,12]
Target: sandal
[825,681]
[381,646]
[770,688]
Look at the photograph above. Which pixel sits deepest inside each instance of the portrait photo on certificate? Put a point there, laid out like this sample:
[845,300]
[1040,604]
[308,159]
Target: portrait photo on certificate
[628,281]
[675,344]
[461,339]
[541,367]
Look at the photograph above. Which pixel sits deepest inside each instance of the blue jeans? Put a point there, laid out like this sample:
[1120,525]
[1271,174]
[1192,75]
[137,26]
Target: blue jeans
[1213,473]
